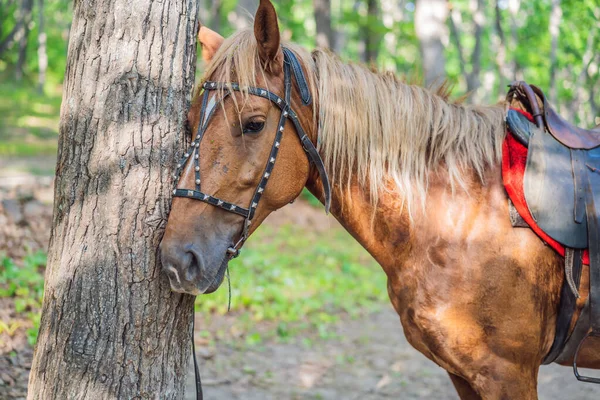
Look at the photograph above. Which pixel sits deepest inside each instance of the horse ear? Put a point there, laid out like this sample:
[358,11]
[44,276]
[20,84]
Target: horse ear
[210,42]
[266,31]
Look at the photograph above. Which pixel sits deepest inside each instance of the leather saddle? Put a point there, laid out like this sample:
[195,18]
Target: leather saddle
[562,191]
[554,195]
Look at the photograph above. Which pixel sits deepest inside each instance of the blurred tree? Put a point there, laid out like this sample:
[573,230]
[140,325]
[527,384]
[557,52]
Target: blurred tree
[325,35]
[480,45]
[22,37]
[430,26]
[471,76]
[372,32]
[110,327]
[504,71]
[243,14]
[555,17]
[216,15]
[42,54]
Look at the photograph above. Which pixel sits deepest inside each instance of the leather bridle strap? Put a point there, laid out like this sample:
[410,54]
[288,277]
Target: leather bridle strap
[291,66]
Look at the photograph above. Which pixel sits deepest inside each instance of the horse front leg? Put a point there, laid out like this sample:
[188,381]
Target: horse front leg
[464,390]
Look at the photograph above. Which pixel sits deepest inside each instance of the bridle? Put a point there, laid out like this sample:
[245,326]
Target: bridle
[291,65]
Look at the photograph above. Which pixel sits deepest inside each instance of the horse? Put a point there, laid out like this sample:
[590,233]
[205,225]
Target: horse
[414,177]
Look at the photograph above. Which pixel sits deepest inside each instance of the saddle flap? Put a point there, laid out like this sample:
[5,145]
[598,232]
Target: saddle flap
[550,190]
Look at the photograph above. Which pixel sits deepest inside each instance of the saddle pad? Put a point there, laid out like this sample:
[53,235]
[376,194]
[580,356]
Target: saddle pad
[514,158]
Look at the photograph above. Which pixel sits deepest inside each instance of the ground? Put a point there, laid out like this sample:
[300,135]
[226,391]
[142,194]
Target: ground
[368,359]
[361,355]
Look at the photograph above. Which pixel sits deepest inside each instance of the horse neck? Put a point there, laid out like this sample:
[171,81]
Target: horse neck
[383,232]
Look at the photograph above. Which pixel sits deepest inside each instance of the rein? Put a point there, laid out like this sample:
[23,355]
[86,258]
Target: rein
[291,66]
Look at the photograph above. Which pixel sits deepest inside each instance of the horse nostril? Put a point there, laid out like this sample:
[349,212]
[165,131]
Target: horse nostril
[192,271]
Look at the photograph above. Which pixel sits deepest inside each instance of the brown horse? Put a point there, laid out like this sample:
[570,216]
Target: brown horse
[415,179]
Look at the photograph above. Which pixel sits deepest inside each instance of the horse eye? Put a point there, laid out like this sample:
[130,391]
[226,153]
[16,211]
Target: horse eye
[254,127]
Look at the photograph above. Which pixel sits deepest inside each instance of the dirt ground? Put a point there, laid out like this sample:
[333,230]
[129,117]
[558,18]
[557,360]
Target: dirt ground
[368,358]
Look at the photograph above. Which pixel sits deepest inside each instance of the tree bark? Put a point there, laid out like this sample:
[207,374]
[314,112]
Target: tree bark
[325,35]
[42,54]
[430,26]
[111,328]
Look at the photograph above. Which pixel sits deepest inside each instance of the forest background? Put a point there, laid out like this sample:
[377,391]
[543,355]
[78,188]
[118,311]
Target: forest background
[479,46]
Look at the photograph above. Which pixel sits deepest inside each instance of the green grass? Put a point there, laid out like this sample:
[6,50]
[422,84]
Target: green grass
[300,279]
[28,120]
[292,278]
[25,284]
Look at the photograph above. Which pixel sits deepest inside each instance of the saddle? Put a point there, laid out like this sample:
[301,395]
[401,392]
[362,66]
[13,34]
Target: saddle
[562,190]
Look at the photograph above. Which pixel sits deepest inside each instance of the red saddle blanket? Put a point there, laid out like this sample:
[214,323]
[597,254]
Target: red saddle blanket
[514,157]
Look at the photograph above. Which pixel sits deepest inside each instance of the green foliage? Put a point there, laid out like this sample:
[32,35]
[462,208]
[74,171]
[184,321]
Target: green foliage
[25,281]
[291,277]
[310,199]
[296,278]
[29,124]
[57,22]
[24,284]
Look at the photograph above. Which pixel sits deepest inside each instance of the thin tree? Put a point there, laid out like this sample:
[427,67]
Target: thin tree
[325,34]
[472,75]
[430,26]
[242,15]
[23,37]
[111,328]
[42,54]
[554,26]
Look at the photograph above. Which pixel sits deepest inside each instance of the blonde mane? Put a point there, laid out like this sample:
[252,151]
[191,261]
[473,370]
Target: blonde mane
[375,128]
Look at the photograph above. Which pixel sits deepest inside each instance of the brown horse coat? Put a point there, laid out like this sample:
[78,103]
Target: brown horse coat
[474,294]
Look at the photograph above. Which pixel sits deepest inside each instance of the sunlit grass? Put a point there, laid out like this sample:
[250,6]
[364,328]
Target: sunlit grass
[28,119]
[292,278]
[300,279]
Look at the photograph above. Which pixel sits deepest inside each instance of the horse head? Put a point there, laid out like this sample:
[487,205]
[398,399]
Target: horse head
[254,108]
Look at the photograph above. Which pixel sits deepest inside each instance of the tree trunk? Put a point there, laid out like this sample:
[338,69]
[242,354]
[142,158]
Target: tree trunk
[215,15]
[513,8]
[9,39]
[479,21]
[373,37]
[555,17]
[242,16]
[25,16]
[111,328]
[42,55]
[503,69]
[325,35]
[453,22]
[430,26]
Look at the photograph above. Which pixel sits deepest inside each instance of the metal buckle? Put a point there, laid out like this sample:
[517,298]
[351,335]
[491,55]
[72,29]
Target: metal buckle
[233,252]
[579,377]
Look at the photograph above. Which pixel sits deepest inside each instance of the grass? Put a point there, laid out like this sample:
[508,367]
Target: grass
[24,283]
[299,279]
[29,120]
[292,278]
